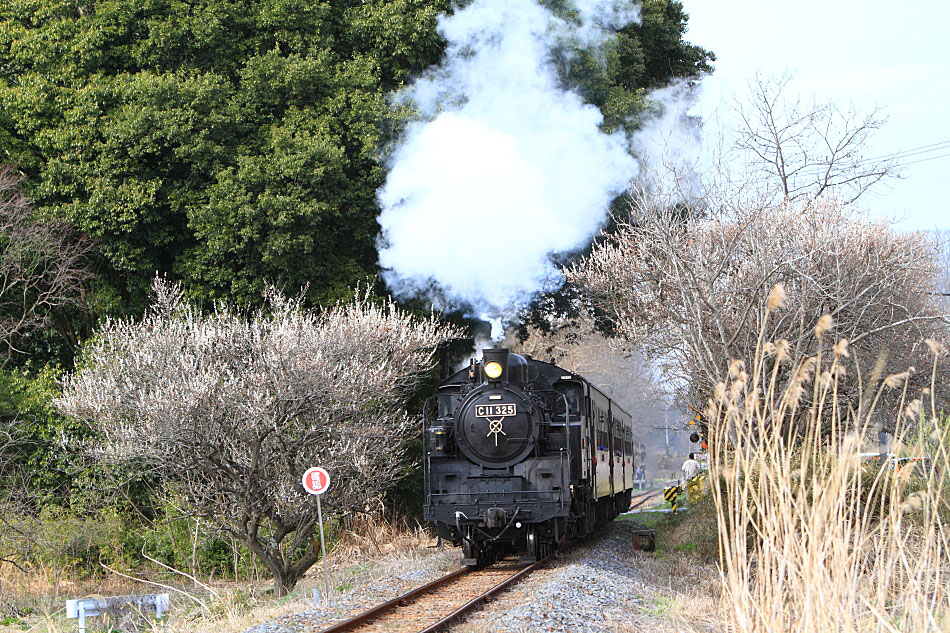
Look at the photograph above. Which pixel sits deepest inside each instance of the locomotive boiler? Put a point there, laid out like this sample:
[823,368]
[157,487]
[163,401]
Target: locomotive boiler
[521,455]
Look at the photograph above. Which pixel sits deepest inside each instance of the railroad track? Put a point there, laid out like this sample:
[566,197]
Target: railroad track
[639,500]
[439,604]
[641,495]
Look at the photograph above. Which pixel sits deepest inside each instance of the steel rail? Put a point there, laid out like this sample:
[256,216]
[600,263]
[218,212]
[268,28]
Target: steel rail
[485,597]
[378,610]
[368,616]
[644,500]
[640,495]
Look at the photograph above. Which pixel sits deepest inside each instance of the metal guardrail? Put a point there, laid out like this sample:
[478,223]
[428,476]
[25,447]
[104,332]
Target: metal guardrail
[83,608]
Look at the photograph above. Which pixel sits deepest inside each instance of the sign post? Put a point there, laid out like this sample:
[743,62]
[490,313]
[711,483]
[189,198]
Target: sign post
[316,481]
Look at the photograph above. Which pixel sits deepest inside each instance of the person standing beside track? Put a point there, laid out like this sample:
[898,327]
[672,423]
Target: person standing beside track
[690,467]
[639,477]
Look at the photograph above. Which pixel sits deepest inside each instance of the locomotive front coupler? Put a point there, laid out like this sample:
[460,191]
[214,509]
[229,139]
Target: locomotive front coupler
[491,517]
[476,522]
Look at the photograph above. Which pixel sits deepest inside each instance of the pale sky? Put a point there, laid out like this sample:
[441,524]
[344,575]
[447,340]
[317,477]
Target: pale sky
[871,53]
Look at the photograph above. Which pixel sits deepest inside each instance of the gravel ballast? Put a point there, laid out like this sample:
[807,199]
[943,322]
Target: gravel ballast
[593,586]
[364,590]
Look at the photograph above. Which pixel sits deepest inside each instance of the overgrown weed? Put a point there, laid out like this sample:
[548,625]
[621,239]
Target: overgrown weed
[369,547]
[812,537]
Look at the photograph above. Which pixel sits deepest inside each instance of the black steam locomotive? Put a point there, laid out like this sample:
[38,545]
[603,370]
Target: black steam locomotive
[521,455]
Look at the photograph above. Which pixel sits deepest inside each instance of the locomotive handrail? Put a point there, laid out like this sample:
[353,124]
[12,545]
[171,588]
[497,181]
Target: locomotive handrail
[425,411]
[427,454]
[567,442]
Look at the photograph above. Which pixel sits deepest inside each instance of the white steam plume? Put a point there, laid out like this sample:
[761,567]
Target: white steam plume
[506,168]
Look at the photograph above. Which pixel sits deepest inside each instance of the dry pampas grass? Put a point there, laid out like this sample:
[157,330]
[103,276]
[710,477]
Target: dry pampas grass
[813,535]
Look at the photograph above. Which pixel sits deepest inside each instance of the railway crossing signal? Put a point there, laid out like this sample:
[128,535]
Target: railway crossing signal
[316,481]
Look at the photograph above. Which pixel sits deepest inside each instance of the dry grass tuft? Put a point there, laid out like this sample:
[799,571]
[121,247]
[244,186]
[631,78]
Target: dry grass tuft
[373,534]
[776,300]
[824,324]
[373,547]
[680,593]
[812,537]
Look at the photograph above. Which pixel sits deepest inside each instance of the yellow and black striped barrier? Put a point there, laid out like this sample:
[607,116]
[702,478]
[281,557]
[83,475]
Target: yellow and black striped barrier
[670,495]
[695,486]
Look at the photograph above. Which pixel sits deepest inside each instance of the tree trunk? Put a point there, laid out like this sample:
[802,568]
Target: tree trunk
[286,580]
[285,576]
[282,585]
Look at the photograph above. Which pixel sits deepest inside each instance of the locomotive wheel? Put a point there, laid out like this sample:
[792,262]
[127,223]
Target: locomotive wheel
[531,550]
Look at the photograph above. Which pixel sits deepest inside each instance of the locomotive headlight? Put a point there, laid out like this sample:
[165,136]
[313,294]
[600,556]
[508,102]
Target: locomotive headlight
[493,369]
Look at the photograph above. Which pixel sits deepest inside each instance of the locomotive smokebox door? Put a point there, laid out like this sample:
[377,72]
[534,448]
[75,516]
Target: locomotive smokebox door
[497,427]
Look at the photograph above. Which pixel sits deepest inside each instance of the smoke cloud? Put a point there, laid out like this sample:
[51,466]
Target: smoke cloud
[670,142]
[506,167]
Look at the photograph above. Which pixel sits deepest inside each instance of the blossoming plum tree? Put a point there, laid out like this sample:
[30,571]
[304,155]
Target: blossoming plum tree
[231,409]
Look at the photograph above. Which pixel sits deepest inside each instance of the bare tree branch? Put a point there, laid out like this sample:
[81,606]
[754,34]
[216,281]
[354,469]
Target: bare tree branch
[43,266]
[809,150]
[692,291]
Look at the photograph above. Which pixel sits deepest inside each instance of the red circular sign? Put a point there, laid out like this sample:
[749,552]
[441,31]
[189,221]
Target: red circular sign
[316,480]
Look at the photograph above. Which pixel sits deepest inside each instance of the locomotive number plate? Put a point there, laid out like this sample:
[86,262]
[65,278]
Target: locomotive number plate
[495,410]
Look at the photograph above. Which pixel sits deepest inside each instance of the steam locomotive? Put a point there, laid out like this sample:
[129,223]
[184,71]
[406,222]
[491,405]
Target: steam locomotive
[521,455]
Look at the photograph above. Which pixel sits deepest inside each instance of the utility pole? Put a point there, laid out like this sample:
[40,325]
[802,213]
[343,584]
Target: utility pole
[666,424]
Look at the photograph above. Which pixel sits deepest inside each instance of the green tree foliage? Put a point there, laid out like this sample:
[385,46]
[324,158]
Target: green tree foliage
[37,448]
[232,143]
[643,56]
[226,142]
